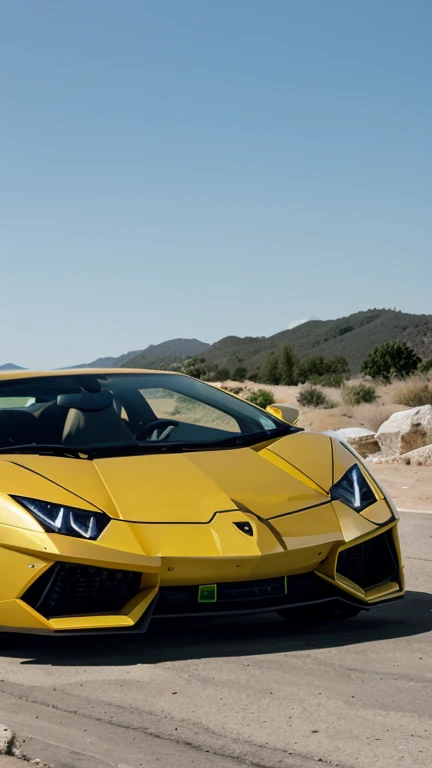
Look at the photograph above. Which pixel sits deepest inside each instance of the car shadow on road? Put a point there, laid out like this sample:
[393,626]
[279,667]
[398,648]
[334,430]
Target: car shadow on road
[223,638]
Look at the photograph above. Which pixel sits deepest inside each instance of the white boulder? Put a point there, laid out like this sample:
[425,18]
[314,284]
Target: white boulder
[422,457]
[406,431]
[362,440]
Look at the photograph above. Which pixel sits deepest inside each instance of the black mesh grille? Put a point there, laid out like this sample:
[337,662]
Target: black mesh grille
[80,590]
[244,596]
[371,563]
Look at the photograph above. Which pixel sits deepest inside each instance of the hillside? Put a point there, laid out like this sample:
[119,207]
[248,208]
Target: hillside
[353,337]
[156,355]
[107,362]
[166,354]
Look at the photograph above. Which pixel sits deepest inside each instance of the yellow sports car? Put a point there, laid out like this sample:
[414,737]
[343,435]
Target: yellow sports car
[129,495]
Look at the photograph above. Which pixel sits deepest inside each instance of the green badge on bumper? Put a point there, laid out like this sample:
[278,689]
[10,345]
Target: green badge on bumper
[207,593]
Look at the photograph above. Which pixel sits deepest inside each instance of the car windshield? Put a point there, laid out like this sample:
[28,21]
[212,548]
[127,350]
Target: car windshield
[115,413]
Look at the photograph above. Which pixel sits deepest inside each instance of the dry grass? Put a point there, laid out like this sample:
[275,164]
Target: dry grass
[366,415]
[390,399]
[414,392]
[281,393]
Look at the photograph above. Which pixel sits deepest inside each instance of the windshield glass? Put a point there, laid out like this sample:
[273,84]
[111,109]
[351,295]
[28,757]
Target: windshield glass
[121,411]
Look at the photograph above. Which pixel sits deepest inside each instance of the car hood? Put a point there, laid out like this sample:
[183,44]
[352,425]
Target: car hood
[292,473]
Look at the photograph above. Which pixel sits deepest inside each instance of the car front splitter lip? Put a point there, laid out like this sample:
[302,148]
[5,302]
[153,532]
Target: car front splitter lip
[141,626]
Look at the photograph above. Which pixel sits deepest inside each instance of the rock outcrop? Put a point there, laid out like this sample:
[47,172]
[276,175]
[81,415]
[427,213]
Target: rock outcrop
[421,457]
[406,431]
[362,440]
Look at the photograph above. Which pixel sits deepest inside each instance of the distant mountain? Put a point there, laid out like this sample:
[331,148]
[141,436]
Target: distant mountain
[162,355]
[166,354]
[107,362]
[11,367]
[353,337]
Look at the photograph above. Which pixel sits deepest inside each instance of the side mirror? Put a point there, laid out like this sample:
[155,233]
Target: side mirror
[284,412]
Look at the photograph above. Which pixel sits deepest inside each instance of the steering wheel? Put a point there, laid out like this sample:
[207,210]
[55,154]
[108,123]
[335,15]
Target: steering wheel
[157,430]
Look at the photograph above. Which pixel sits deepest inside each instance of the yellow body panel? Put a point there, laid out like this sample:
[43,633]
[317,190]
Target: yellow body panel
[315,462]
[175,522]
[250,479]
[80,480]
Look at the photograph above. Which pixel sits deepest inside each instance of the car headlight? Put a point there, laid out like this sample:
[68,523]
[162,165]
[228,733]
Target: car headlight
[353,490]
[70,521]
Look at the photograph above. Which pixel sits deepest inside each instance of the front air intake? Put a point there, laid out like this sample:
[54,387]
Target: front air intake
[67,589]
[371,563]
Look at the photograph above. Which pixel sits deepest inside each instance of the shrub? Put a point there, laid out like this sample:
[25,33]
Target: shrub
[394,358]
[329,380]
[426,366]
[222,374]
[195,367]
[354,394]
[209,376]
[312,397]
[414,393]
[261,397]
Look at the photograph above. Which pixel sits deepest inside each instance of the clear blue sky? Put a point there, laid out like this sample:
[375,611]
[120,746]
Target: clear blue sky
[209,167]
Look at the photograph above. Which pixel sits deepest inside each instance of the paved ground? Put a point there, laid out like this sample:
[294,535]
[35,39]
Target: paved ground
[256,693]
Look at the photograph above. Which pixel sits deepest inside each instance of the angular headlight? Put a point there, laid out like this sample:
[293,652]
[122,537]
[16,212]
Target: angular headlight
[70,521]
[353,490]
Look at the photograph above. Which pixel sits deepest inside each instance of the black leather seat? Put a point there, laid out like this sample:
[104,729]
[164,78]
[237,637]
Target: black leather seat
[51,418]
[18,427]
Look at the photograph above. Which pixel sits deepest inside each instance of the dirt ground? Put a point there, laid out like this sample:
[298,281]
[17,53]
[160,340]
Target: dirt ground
[410,487]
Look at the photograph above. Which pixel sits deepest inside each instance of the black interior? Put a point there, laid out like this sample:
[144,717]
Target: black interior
[82,410]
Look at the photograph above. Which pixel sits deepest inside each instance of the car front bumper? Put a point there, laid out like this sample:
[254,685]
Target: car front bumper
[55,584]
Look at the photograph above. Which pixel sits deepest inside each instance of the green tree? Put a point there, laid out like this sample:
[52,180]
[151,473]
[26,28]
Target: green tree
[255,376]
[273,372]
[240,373]
[330,371]
[394,358]
[426,366]
[195,367]
[338,365]
[287,367]
[309,367]
[223,374]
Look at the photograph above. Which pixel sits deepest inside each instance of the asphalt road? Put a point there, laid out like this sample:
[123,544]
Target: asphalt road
[257,693]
